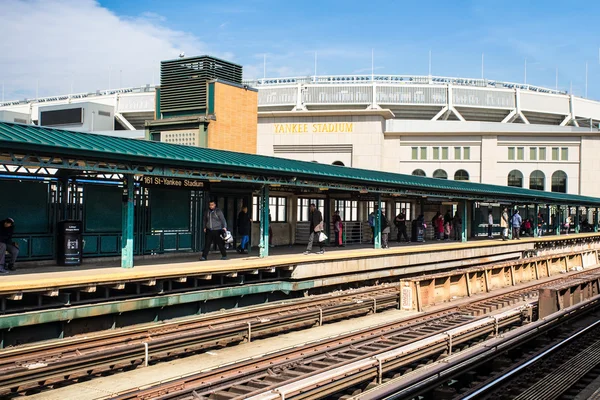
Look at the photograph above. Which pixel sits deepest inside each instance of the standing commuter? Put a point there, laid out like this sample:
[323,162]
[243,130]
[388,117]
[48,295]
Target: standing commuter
[504,224]
[372,222]
[400,222]
[385,230]
[447,225]
[214,226]
[516,225]
[316,227]
[338,227]
[490,225]
[457,226]
[567,224]
[244,225]
[7,228]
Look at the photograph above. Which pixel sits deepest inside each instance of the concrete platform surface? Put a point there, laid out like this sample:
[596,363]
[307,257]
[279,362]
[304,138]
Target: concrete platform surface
[110,386]
[52,277]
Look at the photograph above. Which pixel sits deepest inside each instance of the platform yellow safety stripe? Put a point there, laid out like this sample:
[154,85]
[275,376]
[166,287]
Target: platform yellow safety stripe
[110,275]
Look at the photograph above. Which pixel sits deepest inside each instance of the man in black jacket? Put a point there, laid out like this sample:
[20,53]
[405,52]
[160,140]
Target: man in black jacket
[7,227]
[244,223]
[316,226]
[214,226]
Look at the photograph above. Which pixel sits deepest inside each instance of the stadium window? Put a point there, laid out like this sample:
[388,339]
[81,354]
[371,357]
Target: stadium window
[440,174]
[419,172]
[555,154]
[537,180]
[423,153]
[466,153]
[520,153]
[402,207]
[559,182]
[303,207]
[564,154]
[511,153]
[436,153]
[533,153]
[348,209]
[515,178]
[542,154]
[414,153]
[461,175]
[444,153]
[457,153]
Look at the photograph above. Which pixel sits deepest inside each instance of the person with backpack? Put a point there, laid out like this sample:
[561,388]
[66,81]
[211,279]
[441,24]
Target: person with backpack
[400,222]
[516,221]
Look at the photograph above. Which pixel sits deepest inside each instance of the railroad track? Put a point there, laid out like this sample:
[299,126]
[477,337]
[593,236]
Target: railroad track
[556,372]
[47,363]
[55,362]
[334,365]
[486,370]
[252,378]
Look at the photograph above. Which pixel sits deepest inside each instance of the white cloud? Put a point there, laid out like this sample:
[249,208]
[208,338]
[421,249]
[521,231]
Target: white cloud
[56,44]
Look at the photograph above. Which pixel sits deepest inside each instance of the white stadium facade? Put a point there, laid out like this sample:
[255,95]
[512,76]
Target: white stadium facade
[452,128]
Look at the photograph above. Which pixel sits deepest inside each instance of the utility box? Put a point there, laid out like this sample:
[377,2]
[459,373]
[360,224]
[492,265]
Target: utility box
[70,243]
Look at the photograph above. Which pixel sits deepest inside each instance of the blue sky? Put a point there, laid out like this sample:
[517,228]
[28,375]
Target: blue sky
[549,34]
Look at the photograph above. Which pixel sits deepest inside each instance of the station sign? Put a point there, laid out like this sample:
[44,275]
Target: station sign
[173,183]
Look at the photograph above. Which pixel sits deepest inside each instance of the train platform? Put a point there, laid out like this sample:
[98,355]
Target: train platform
[290,260]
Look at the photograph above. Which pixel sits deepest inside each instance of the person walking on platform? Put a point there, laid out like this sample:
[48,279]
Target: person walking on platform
[504,224]
[457,226]
[400,222]
[490,225]
[385,230]
[244,225]
[316,227]
[372,222]
[214,226]
[7,228]
[516,225]
[338,227]
[447,225]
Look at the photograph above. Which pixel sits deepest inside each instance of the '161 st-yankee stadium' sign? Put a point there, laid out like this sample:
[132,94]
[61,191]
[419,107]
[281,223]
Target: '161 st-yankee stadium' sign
[174,183]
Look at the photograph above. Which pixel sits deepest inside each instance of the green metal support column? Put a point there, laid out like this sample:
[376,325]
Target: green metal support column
[577,225]
[264,223]
[548,216]
[536,211]
[377,233]
[464,224]
[557,219]
[127,223]
[327,217]
[596,220]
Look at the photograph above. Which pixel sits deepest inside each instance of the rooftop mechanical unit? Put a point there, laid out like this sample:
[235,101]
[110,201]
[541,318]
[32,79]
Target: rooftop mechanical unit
[183,82]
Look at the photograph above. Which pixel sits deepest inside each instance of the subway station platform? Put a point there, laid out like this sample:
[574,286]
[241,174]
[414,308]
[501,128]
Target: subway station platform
[285,262]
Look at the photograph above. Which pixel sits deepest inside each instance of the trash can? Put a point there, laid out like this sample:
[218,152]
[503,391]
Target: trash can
[70,243]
